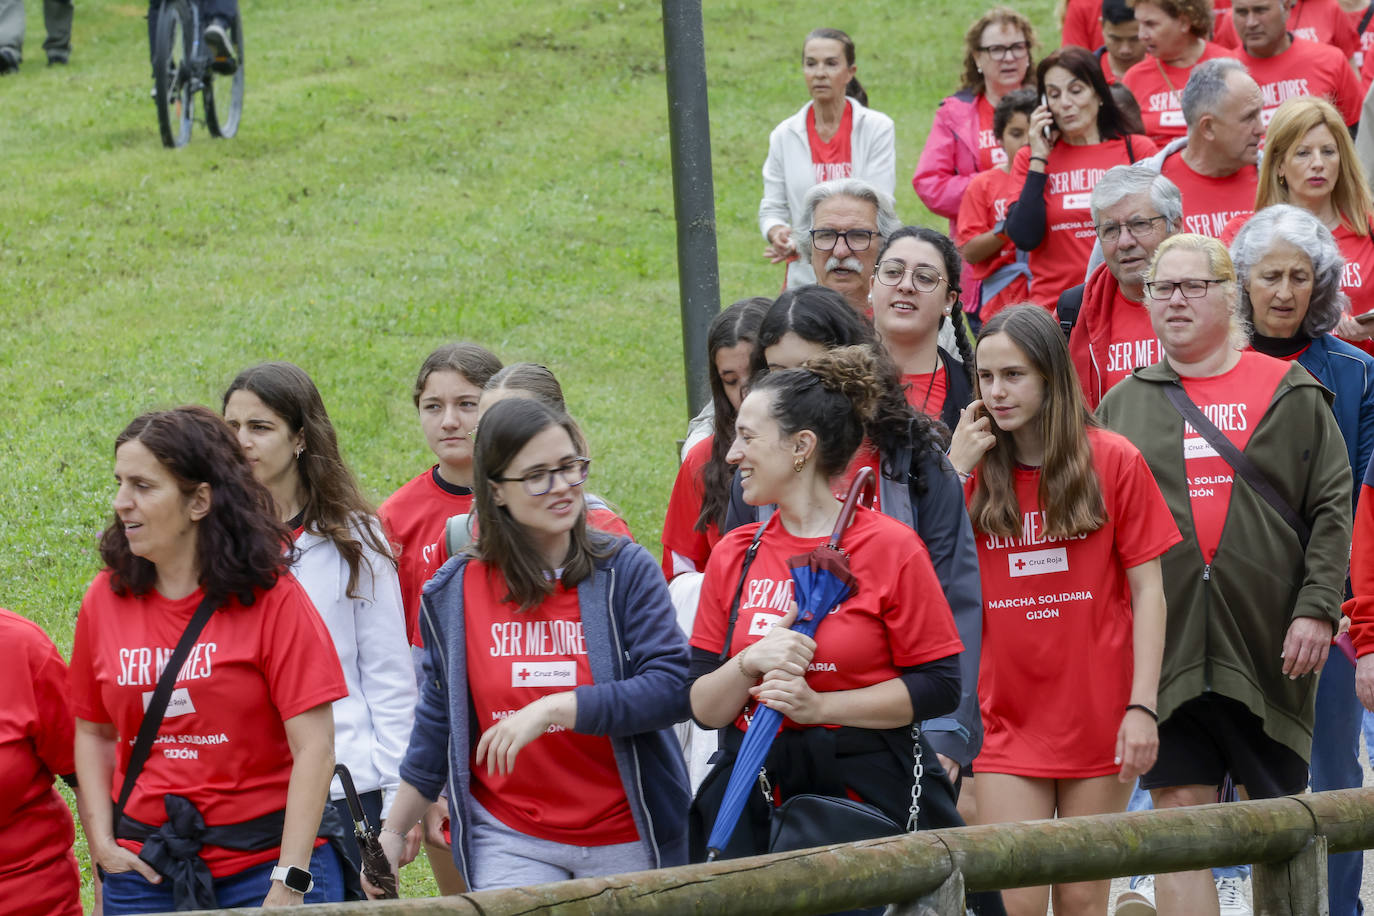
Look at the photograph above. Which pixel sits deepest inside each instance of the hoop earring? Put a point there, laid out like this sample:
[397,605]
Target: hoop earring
[799,464]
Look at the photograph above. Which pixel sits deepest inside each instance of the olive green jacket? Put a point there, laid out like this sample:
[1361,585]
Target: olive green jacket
[1227,621]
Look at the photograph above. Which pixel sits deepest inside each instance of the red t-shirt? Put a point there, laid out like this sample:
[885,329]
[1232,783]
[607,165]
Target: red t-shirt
[414,517]
[990,152]
[680,534]
[222,744]
[38,872]
[1210,203]
[1320,21]
[831,158]
[1083,25]
[925,391]
[1366,41]
[866,457]
[1357,281]
[1156,87]
[1061,259]
[565,786]
[984,205]
[1055,674]
[1306,68]
[898,619]
[1133,341]
[1234,401]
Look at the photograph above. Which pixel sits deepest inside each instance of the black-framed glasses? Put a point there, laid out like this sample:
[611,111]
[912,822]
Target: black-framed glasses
[1002,52]
[1191,289]
[537,483]
[1110,232]
[856,239]
[925,279]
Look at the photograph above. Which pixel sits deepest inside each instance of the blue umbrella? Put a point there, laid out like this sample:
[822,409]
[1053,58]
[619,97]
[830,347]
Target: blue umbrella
[821,580]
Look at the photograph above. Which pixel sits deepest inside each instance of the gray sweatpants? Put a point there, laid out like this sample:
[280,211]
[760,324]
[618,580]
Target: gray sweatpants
[57,18]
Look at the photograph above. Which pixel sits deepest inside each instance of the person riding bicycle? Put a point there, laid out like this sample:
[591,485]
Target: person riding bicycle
[219,17]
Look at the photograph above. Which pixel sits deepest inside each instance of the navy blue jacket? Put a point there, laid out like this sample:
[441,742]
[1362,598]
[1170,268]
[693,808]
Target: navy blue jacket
[1348,372]
[638,658]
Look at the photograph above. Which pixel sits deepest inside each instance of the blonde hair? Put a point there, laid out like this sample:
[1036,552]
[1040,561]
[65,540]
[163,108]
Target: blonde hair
[1292,120]
[1220,264]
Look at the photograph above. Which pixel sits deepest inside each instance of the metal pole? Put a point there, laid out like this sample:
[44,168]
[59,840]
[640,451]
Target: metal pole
[684,51]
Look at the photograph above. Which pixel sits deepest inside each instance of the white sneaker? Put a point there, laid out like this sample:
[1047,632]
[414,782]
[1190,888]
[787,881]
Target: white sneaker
[1139,900]
[1231,896]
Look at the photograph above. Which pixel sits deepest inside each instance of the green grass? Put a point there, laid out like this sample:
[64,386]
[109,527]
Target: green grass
[408,172]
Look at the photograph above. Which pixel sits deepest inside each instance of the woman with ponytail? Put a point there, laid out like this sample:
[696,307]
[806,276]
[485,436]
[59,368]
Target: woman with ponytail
[835,135]
[914,291]
[916,485]
[884,658]
[1070,527]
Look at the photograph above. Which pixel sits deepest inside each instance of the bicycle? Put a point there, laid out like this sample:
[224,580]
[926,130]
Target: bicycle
[182,66]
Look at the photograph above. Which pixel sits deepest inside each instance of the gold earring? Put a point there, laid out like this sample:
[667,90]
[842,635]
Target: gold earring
[799,463]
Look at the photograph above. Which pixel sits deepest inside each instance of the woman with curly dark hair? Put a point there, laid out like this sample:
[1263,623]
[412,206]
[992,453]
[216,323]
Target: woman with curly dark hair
[916,485]
[226,810]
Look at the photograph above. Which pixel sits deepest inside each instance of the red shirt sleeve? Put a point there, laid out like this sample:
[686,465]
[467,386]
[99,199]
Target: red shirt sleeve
[1147,529]
[299,661]
[976,212]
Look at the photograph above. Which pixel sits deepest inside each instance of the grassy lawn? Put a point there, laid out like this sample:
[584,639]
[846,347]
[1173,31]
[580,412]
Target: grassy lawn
[408,172]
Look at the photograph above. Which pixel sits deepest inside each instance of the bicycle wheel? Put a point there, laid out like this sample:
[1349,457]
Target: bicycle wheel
[172,72]
[224,94]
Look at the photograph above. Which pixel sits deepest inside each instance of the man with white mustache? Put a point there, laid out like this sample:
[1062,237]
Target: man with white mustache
[845,222]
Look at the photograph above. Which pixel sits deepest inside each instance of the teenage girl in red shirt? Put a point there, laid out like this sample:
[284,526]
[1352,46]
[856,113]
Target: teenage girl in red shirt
[1070,527]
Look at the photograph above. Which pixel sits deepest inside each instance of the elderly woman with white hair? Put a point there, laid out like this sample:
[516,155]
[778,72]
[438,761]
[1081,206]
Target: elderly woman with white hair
[1290,269]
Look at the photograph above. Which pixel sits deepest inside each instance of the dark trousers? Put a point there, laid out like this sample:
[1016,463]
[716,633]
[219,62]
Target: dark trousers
[372,807]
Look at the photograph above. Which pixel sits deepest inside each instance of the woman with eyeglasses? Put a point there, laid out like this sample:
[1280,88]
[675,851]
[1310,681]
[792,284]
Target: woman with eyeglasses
[1175,34]
[915,290]
[1070,528]
[961,142]
[554,669]
[1077,134]
[835,135]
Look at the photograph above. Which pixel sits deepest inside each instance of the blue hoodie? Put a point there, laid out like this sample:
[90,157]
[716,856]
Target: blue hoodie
[638,658]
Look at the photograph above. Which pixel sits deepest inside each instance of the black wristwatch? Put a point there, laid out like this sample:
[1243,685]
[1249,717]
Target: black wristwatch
[295,879]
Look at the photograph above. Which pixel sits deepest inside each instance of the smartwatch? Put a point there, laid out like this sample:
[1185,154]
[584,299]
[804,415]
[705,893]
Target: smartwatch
[295,879]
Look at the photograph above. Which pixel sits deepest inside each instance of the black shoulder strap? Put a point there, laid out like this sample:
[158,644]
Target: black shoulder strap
[157,706]
[1130,150]
[1067,308]
[739,589]
[1364,20]
[1257,479]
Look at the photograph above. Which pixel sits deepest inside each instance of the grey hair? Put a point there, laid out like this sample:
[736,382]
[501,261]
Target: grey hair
[1206,88]
[1302,230]
[1121,181]
[888,221]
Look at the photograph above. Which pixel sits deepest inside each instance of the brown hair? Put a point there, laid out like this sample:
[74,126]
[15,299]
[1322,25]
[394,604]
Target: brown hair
[474,363]
[240,545]
[1197,14]
[735,325]
[853,88]
[507,427]
[334,506]
[998,15]
[1070,494]
[1292,120]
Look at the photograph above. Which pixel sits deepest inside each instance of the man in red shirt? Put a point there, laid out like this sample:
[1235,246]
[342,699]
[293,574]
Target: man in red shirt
[1214,166]
[846,221]
[1121,47]
[1285,66]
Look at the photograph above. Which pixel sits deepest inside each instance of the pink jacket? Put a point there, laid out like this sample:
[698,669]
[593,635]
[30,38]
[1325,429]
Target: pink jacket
[950,158]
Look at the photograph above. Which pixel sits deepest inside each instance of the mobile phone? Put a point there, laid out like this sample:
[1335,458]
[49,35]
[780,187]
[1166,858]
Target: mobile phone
[1366,318]
[1045,131]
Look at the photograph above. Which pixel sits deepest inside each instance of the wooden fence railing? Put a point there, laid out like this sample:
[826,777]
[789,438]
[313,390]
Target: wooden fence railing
[925,874]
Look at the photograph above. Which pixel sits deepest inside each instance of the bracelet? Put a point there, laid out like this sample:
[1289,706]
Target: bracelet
[393,830]
[1145,709]
[1039,159]
[740,660]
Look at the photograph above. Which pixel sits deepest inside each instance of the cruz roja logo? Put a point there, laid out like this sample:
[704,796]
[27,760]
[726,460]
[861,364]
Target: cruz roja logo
[543,674]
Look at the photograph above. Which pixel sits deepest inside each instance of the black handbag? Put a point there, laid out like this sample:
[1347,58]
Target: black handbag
[804,821]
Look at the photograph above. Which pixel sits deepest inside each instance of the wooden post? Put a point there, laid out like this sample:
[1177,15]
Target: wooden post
[1293,887]
[945,900]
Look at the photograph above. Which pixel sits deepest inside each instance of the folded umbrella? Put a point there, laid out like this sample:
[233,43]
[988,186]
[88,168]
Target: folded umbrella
[376,869]
[821,581]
